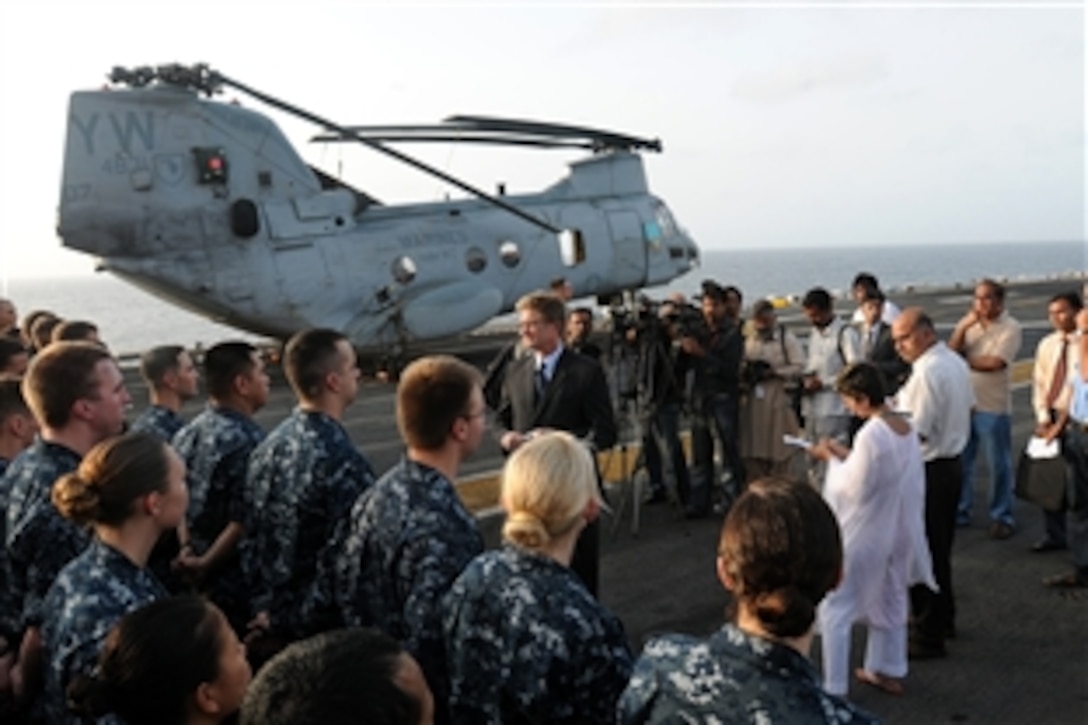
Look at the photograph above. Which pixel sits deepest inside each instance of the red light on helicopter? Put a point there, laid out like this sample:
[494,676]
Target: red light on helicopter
[211,165]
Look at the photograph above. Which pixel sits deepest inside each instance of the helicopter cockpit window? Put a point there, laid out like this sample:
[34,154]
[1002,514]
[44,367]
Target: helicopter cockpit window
[510,253]
[404,270]
[475,260]
[651,231]
[664,220]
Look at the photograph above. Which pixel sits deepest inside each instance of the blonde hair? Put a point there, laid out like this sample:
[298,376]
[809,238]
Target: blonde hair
[546,486]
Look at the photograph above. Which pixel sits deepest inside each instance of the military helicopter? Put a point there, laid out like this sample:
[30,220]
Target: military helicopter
[207,205]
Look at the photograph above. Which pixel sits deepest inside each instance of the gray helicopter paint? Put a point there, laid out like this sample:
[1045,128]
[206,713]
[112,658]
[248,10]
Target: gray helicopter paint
[386,275]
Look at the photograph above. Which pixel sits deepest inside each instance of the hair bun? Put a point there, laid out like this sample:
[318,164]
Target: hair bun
[76,498]
[525,529]
[785,612]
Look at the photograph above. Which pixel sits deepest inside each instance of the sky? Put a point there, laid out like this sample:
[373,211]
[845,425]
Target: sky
[784,124]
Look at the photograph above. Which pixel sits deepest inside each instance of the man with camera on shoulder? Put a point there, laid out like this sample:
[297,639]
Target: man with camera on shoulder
[714,350]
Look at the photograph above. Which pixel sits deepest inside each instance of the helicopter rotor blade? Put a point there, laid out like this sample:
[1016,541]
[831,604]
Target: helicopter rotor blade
[214,78]
[605,139]
[424,134]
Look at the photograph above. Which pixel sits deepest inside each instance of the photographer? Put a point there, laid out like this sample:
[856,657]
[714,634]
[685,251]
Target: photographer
[663,374]
[773,359]
[714,349]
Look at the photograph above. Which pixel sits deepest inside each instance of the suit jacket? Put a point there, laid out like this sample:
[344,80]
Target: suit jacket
[886,359]
[576,399]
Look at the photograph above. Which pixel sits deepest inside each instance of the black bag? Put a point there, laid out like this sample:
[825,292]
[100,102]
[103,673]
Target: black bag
[1042,481]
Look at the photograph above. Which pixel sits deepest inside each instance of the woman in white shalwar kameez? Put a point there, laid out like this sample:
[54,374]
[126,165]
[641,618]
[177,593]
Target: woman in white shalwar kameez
[877,491]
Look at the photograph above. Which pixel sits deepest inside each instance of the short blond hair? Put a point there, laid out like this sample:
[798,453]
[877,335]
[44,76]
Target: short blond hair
[546,304]
[546,486]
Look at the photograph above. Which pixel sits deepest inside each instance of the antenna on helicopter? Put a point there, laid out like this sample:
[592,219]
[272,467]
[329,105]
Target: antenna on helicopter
[208,81]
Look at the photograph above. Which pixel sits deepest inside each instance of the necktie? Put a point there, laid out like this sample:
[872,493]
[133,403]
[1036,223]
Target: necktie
[870,339]
[540,380]
[1060,370]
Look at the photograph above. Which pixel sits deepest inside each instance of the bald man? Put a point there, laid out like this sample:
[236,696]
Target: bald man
[938,396]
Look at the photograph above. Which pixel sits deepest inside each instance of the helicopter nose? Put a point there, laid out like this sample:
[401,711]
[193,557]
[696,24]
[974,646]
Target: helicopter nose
[689,256]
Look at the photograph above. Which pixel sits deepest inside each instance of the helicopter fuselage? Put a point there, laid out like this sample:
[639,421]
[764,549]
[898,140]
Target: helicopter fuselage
[207,205]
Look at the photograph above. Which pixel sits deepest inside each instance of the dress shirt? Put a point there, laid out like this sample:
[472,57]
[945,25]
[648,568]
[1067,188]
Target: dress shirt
[825,360]
[548,362]
[1046,361]
[939,397]
[887,314]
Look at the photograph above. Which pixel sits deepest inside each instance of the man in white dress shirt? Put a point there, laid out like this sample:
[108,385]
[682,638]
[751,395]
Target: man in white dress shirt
[938,396]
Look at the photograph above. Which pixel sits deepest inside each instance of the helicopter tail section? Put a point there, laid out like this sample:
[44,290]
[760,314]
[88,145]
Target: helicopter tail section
[158,170]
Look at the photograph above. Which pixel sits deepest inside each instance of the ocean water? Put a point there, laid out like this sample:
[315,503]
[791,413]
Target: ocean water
[131,320]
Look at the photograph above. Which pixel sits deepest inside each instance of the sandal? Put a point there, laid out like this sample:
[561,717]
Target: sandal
[890,685]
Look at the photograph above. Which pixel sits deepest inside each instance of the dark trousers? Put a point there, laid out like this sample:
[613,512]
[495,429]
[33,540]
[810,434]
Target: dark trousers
[935,612]
[586,560]
[718,413]
[662,443]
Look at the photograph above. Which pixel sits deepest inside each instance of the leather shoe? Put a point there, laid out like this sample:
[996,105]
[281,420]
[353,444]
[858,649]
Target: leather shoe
[1069,580]
[1000,531]
[1042,546]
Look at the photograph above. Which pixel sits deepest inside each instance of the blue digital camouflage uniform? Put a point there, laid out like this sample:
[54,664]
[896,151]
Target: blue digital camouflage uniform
[408,538]
[526,642]
[303,480]
[731,677]
[89,596]
[216,446]
[39,541]
[159,421]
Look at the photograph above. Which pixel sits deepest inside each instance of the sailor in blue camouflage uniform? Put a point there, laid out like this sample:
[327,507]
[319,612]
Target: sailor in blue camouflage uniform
[159,421]
[409,534]
[78,397]
[216,446]
[171,379]
[17,425]
[303,480]
[129,489]
[779,554]
[17,431]
[525,640]
[92,592]
[734,677]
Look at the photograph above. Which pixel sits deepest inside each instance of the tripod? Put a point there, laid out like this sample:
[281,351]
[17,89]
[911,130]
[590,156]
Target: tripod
[644,374]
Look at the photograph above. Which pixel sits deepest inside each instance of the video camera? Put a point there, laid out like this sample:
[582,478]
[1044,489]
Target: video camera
[674,318]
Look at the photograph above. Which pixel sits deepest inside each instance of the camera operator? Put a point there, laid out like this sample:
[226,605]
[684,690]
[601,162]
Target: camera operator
[663,375]
[715,349]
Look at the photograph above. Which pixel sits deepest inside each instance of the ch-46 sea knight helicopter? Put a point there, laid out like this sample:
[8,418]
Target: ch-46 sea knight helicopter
[207,205]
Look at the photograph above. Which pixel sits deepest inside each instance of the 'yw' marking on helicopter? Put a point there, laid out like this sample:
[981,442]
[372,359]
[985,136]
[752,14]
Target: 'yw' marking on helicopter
[132,125]
[86,130]
[124,132]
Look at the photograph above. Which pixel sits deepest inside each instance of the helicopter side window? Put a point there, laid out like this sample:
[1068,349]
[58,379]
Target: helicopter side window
[510,253]
[404,270]
[475,260]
